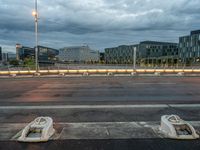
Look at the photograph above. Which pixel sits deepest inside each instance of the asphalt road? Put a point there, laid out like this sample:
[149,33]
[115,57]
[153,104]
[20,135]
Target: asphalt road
[100,90]
[100,99]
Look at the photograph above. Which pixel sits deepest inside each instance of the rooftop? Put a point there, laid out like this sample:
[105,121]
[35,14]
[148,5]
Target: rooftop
[195,32]
[122,46]
[75,47]
[156,42]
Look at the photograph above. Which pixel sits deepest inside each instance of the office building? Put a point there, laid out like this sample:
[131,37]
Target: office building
[0,54]
[11,56]
[23,52]
[78,54]
[102,57]
[4,57]
[153,53]
[189,48]
[120,55]
[46,55]
[148,53]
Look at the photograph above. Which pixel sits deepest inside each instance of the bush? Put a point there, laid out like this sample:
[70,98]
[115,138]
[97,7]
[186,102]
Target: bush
[28,62]
[14,62]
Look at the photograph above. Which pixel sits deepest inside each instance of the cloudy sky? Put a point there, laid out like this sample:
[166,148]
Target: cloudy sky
[98,23]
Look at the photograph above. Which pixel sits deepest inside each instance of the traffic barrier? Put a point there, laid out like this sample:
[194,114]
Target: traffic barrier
[104,71]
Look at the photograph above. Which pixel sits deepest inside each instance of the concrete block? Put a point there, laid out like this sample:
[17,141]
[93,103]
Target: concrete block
[39,130]
[176,128]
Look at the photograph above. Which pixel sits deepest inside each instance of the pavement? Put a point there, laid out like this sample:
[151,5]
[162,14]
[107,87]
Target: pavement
[99,112]
[100,90]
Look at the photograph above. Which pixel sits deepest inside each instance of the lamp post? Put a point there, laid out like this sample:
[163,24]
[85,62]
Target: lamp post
[134,58]
[35,14]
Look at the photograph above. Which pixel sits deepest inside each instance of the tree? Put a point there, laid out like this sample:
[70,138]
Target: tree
[14,62]
[29,62]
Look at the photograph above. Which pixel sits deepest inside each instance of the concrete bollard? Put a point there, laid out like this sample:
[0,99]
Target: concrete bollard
[181,74]
[85,74]
[39,130]
[172,126]
[133,73]
[157,73]
[110,74]
[62,74]
[13,75]
[37,74]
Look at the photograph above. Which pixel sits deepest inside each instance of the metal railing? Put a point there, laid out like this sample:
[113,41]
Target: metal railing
[95,69]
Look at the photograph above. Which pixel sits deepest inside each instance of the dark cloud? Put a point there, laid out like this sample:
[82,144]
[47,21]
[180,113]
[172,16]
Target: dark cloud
[100,23]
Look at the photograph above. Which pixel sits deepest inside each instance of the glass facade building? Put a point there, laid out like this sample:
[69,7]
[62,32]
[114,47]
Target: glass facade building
[147,53]
[23,52]
[78,54]
[0,54]
[153,53]
[46,55]
[120,55]
[189,48]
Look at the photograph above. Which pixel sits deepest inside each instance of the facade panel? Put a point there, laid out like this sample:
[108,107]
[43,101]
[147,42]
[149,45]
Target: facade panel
[189,48]
[45,54]
[147,53]
[78,54]
[0,54]
[120,55]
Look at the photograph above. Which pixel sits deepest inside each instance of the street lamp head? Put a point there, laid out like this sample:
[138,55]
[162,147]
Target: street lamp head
[34,13]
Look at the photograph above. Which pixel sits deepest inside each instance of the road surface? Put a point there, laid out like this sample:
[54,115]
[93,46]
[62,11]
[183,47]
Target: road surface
[99,112]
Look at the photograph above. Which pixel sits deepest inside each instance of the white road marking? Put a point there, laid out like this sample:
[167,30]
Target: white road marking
[155,83]
[184,105]
[97,106]
[82,106]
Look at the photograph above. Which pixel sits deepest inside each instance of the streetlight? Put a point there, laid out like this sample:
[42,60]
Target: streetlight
[134,58]
[35,15]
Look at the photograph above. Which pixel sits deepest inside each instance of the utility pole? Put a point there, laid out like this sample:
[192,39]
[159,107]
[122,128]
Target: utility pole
[134,58]
[35,14]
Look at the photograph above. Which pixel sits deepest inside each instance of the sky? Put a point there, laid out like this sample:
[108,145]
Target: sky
[97,23]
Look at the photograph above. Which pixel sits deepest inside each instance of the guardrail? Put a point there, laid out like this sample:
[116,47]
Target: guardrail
[102,71]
